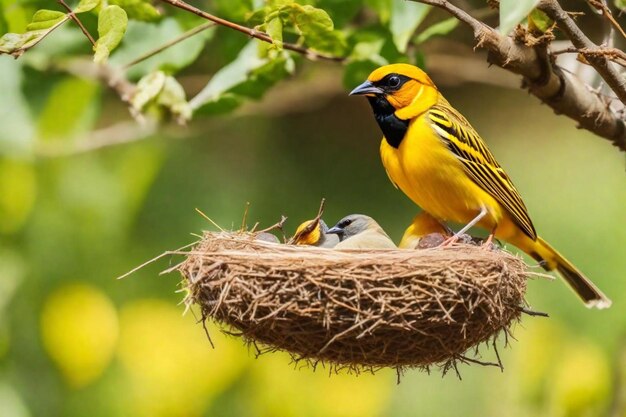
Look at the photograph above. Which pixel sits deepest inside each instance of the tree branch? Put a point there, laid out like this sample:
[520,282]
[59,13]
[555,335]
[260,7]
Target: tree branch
[310,54]
[564,92]
[616,55]
[184,36]
[606,12]
[75,18]
[602,65]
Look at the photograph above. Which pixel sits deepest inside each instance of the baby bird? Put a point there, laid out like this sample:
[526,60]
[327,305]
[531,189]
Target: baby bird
[358,231]
[316,236]
[423,224]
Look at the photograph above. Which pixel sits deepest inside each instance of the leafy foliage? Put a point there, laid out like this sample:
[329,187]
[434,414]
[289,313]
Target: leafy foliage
[539,21]
[138,41]
[138,9]
[161,95]
[142,37]
[406,16]
[249,75]
[112,22]
[313,26]
[43,22]
[86,5]
[438,29]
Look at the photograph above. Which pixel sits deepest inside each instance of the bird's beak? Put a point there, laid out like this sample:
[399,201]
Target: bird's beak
[367,88]
[335,231]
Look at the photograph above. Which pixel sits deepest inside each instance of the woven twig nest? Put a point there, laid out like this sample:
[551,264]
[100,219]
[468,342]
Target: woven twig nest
[358,309]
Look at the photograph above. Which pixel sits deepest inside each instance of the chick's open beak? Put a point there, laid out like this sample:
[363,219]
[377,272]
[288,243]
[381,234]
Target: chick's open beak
[367,88]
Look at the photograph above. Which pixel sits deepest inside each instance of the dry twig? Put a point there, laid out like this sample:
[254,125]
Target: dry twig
[603,66]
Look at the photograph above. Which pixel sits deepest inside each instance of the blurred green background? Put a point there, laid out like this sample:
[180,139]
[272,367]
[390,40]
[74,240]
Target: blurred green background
[75,341]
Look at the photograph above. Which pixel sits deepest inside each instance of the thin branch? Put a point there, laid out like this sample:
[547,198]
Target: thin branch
[565,93]
[606,12]
[111,76]
[117,134]
[616,55]
[602,65]
[310,54]
[169,44]
[75,18]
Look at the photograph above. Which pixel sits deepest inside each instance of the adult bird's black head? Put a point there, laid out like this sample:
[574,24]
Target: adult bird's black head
[395,93]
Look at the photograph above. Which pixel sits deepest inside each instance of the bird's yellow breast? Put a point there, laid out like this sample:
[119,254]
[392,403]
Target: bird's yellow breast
[430,175]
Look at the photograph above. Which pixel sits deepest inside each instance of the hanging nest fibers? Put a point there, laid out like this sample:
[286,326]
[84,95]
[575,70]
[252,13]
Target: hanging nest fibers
[357,309]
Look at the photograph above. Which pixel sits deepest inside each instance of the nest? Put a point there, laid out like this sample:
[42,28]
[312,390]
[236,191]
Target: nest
[357,309]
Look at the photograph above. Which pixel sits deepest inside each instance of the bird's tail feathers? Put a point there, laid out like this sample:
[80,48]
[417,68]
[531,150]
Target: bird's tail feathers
[550,259]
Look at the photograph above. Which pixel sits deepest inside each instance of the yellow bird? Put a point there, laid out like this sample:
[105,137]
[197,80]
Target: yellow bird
[358,231]
[316,236]
[432,153]
[423,224]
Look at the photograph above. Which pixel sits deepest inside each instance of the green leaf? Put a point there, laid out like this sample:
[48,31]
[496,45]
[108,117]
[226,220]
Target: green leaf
[274,28]
[86,5]
[248,75]
[314,25]
[161,95]
[369,51]
[318,30]
[310,19]
[43,22]
[438,29]
[231,75]
[512,12]
[45,19]
[538,20]
[112,22]
[620,4]
[405,18]
[143,37]
[262,78]
[174,99]
[138,9]
[148,88]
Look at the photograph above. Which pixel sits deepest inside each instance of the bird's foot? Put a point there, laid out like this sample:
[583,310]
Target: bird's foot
[449,241]
[487,243]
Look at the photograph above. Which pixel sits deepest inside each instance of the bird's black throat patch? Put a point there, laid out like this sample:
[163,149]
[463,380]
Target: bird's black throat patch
[393,128]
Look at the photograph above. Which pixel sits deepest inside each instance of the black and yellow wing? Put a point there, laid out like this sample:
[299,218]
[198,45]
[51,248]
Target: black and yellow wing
[462,140]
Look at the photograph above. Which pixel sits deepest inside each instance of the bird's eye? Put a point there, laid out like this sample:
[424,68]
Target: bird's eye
[393,81]
[346,223]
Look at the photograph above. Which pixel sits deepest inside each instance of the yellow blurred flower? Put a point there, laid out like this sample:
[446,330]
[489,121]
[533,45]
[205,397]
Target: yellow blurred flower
[281,390]
[582,381]
[539,343]
[79,330]
[18,187]
[171,367]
